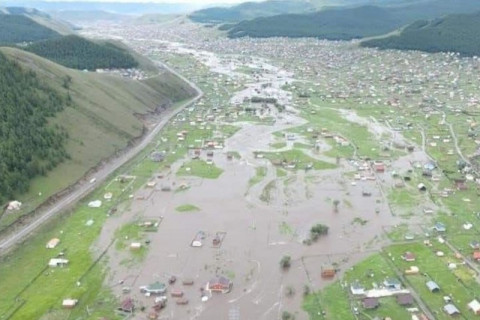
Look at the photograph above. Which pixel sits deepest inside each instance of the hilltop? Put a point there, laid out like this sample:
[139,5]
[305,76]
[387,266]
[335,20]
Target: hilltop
[102,116]
[453,33]
[79,53]
[58,25]
[249,10]
[345,23]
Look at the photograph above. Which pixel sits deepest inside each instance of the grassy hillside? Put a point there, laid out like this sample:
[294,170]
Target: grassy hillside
[79,53]
[345,23]
[249,10]
[103,119]
[19,28]
[454,33]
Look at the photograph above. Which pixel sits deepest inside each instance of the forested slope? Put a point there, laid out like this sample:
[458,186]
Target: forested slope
[79,53]
[28,146]
[454,33]
[18,28]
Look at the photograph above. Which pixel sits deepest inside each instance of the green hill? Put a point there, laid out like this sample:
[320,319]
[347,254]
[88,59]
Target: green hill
[334,24]
[40,17]
[249,10]
[19,28]
[79,53]
[345,23]
[103,117]
[28,147]
[453,33]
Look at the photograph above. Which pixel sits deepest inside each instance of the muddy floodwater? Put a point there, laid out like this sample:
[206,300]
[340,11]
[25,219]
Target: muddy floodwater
[254,232]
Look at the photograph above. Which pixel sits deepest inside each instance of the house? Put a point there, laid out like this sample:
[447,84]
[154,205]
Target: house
[412,270]
[451,310]
[432,286]
[408,256]
[52,243]
[370,303]
[476,256]
[392,284]
[357,289]
[220,284]
[56,262]
[127,305]
[154,288]
[474,305]
[379,167]
[328,272]
[460,184]
[439,227]
[405,299]
[69,303]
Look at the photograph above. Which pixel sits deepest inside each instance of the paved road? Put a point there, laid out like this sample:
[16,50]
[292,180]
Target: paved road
[101,174]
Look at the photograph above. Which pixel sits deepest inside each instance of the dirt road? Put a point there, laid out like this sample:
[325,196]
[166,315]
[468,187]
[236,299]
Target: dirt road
[101,174]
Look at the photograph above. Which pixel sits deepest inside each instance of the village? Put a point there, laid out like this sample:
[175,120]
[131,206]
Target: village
[313,180]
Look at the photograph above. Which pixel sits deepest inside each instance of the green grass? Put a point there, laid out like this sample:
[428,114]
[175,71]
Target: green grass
[200,168]
[278,145]
[187,208]
[332,300]
[260,174]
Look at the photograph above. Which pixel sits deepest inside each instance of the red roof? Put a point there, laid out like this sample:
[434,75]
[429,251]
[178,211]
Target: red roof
[476,255]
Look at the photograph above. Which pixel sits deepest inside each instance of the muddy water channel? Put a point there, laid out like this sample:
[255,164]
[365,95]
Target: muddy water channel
[257,223]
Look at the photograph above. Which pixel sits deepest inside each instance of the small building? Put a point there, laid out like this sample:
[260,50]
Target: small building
[392,284]
[127,305]
[69,303]
[176,293]
[370,303]
[154,288]
[412,270]
[357,289]
[439,227]
[474,305]
[135,245]
[476,255]
[405,299]
[451,310]
[57,262]
[409,256]
[52,243]
[328,272]
[432,286]
[220,284]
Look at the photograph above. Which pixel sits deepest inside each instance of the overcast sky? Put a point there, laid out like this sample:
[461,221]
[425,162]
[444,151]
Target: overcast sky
[160,1]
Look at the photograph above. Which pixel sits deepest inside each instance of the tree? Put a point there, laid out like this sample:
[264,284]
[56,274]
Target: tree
[336,202]
[318,230]
[285,262]
[287,316]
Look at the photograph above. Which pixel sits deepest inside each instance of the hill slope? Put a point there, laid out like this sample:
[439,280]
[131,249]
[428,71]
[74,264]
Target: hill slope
[19,28]
[454,33]
[349,23]
[338,23]
[103,119]
[28,147]
[40,17]
[79,53]
[250,10]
